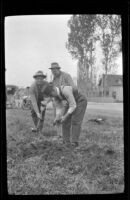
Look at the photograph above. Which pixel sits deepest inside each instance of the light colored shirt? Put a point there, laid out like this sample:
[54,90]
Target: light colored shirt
[60,109]
[67,92]
[63,79]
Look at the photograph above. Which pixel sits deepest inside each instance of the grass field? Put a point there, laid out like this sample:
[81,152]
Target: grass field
[39,164]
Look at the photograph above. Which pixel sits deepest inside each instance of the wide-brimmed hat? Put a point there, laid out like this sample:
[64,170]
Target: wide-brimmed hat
[54,66]
[39,73]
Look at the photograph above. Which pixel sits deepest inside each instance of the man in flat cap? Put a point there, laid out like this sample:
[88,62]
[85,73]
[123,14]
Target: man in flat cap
[60,78]
[37,96]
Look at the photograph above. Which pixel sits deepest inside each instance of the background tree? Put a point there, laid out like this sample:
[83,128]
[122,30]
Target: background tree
[80,42]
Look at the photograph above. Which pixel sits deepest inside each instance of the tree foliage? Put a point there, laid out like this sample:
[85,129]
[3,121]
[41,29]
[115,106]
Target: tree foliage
[85,31]
[81,43]
[109,27]
[81,29]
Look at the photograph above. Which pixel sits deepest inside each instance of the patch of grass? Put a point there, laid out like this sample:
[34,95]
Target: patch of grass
[37,164]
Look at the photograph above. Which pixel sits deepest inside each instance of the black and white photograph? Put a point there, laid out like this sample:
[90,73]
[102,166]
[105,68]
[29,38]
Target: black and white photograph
[64,104]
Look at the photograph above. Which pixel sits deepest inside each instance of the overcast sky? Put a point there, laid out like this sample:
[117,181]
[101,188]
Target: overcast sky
[32,43]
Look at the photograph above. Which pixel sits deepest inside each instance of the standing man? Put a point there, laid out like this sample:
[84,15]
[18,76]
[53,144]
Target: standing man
[60,77]
[37,96]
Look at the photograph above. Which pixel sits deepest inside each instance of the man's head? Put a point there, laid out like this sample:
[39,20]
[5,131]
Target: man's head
[55,69]
[50,91]
[39,77]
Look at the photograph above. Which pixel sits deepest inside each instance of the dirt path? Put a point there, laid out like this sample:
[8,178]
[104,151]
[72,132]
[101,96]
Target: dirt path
[107,109]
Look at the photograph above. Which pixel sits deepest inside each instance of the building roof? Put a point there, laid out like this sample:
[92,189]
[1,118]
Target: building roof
[112,80]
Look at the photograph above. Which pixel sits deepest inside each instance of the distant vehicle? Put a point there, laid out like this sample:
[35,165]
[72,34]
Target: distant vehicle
[10,91]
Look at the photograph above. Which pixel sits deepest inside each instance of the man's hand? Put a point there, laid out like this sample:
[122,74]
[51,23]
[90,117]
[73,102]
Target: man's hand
[56,122]
[39,116]
[42,108]
[63,118]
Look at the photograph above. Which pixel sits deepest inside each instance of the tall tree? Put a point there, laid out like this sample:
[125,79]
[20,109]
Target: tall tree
[81,29]
[80,41]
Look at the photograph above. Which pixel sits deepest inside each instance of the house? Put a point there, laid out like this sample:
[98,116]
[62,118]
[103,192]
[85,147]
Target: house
[113,86]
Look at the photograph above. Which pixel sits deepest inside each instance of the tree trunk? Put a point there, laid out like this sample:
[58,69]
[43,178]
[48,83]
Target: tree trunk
[91,74]
[105,82]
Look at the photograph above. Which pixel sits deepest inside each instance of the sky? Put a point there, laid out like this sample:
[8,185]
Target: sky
[32,43]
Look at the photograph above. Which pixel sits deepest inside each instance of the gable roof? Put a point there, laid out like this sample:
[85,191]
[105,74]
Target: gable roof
[112,80]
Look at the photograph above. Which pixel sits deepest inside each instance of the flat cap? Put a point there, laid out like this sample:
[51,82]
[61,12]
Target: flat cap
[54,65]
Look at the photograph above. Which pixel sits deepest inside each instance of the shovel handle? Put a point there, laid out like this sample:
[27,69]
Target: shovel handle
[39,120]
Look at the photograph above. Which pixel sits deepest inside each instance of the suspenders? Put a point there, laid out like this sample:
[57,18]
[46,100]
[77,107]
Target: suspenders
[61,94]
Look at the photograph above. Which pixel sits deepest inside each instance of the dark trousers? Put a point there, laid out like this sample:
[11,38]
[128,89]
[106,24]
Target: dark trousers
[72,125]
[36,119]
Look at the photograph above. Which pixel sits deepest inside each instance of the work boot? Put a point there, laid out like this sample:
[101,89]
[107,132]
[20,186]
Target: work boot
[34,130]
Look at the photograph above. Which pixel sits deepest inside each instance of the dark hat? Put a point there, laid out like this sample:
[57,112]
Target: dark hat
[54,65]
[48,89]
[39,73]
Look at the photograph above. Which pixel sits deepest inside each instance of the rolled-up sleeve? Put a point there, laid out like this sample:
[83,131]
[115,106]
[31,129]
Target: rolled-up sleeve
[68,93]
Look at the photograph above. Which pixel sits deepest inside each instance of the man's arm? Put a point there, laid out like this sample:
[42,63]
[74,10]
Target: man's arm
[68,93]
[33,100]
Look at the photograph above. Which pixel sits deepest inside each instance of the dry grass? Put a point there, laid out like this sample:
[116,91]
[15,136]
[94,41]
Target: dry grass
[38,164]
